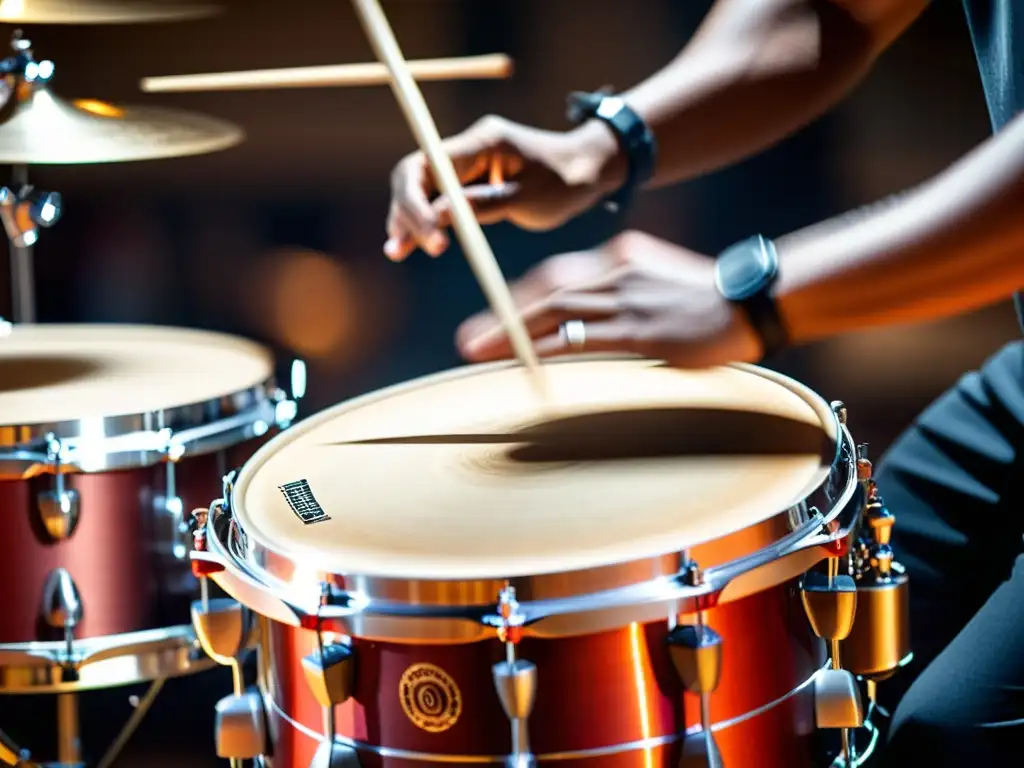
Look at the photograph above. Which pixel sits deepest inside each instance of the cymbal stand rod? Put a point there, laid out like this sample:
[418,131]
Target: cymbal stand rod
[23,286]
[69,743]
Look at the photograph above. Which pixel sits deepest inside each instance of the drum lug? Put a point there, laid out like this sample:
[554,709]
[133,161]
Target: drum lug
[516,684]
[59,511]
[338,756]
[222,628]
[837,700]
[240,729]
[830,603]
[696,653]
[515,680]
[330,673]
[59,507]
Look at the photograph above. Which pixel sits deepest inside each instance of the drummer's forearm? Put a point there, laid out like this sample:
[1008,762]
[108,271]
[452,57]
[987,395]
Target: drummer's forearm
[756,71]
[954,244]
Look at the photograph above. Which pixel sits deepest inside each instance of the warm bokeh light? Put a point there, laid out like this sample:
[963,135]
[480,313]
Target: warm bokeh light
[99,108]
[313,303]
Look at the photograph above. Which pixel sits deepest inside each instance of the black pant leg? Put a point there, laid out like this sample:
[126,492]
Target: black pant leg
[952,481]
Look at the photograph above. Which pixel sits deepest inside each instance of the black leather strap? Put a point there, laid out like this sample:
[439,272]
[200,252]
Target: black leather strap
[634,137]
[745,273]
[763,314]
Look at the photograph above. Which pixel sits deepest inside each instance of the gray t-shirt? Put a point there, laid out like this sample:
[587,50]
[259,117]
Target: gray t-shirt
[997,30]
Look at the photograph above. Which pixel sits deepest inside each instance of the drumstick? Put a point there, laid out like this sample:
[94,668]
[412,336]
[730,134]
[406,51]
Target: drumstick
[474,244]
[493,66]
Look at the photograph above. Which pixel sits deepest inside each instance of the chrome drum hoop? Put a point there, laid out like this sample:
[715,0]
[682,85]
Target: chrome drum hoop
[140,440]
[554,605]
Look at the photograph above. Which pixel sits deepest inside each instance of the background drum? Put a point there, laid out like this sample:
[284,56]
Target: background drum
[108,434]
[633,575]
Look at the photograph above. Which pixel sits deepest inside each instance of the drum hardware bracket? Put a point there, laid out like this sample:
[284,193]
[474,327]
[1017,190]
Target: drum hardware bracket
[879,644]
[830,602]
[330,675]
[24,210]
[515,679]
[696,653]
[58,507]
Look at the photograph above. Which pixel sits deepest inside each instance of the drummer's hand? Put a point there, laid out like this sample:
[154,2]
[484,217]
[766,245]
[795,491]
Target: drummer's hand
[635,294]
[535,179]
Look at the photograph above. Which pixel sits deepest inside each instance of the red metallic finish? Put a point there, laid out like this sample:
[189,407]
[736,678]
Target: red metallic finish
[125,579]
[838,548]
[593,691]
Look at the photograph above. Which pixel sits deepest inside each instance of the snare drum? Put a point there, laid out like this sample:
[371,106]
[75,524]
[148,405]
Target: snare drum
[108,436]
[450,574]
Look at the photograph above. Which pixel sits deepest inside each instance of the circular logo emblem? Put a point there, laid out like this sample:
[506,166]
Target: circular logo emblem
[430,698]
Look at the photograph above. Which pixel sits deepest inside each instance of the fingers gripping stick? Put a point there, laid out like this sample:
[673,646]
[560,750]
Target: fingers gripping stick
[478,251]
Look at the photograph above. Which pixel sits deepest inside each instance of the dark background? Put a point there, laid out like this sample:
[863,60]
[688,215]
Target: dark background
[280,238]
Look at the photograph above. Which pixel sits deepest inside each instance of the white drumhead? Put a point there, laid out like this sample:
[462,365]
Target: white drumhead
[429,480]
[56,373]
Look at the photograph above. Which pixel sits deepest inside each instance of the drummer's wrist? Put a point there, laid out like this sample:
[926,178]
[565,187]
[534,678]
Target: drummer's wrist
[596,156]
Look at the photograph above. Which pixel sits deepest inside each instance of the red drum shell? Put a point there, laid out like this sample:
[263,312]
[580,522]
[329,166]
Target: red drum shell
[124,580]
[594,691]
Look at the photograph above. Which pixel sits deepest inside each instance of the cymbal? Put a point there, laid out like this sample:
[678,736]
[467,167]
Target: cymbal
[97,12]
[45,129]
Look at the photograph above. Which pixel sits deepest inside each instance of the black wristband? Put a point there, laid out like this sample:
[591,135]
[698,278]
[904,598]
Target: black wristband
[635,139]
[745,274]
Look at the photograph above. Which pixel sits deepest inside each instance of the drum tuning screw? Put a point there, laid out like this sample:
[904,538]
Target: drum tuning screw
[839,409]
[515,680]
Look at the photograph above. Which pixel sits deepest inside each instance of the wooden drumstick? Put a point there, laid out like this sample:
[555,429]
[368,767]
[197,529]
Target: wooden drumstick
[493,66]
[474,244]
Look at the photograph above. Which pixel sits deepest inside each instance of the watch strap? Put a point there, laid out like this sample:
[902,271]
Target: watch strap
[745,275]
[635,139]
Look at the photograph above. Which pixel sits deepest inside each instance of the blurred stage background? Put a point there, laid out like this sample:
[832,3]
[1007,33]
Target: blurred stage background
[280,239]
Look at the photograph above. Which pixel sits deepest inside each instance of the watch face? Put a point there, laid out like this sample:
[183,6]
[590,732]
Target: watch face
[744,269]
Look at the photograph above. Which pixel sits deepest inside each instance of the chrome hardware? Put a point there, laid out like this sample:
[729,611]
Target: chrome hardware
[25,211]
[59,510]
[62,605]
[837,700]
[830,601]
[240,730]
[839,409]
[515,680]
[334,755]
[696,653]
[330,673]
[222,627]
[880,641]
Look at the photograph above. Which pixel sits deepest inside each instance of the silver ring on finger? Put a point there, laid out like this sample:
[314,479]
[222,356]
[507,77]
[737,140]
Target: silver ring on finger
[573,334]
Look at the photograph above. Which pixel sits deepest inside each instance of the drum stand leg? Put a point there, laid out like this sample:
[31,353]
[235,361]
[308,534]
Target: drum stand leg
[133,723]
[69,743]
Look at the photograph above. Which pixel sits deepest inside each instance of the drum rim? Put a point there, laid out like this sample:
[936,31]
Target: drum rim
[265,563]
[140,439]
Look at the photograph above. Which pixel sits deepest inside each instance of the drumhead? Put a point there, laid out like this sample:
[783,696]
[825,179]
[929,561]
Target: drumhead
[58,373]
[458,476]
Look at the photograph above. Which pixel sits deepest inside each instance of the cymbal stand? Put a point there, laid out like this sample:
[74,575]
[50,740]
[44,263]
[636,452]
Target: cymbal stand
[23,209]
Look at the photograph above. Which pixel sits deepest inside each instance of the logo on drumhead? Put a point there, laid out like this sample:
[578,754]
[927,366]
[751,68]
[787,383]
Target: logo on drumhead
[302,502]
[430,697]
